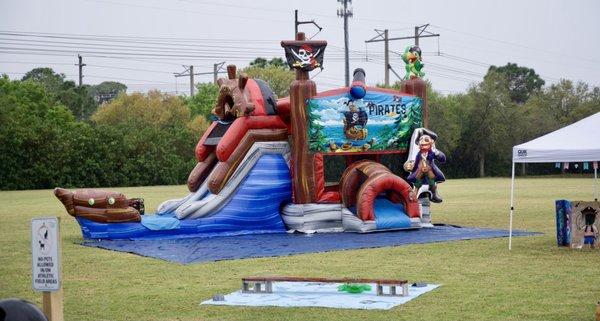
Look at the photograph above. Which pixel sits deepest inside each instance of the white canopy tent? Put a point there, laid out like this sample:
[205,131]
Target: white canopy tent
[578,142]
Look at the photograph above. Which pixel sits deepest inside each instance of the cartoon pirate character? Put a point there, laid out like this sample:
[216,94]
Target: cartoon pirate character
[590,232]
[423,168]
[355,121]
[306,57]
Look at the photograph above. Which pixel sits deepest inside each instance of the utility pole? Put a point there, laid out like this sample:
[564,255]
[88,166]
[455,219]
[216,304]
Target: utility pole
[417,34]
[419,30]
[191,80]
[80,64]
[189,71]
[346,12]
[216,69]
[297,23]
[386,48]
[382,35]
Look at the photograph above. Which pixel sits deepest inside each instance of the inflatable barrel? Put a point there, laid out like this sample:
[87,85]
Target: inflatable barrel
[363,181]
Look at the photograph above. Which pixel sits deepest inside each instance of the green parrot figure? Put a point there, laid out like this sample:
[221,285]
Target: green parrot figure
[412,59]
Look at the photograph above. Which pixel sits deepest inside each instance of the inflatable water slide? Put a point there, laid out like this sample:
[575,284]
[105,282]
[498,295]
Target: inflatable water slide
[261,164]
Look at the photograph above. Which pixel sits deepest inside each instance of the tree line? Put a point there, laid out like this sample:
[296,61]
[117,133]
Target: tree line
[511,105]
[137,139]
[54,133]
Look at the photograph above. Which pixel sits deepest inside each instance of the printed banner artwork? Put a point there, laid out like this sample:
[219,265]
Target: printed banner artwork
[585,224]
[564,213]
[380,121]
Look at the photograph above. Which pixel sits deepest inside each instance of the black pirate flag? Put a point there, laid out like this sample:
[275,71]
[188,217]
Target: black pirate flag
[305,56]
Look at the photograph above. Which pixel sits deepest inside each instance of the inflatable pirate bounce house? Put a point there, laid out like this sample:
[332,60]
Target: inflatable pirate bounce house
[261,165]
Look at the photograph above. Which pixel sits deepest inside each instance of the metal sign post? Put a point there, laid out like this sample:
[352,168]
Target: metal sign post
[45,265]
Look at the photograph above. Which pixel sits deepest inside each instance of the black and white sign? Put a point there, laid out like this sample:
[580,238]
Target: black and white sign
[45,259]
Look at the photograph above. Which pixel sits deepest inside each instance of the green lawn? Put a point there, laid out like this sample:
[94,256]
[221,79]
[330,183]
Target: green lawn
[481,280]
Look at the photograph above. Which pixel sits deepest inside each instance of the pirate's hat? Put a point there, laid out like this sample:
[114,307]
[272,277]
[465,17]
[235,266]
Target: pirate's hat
[425,131]
[589,211]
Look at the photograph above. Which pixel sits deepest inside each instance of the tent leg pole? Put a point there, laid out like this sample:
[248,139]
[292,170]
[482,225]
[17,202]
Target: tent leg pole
[512,198]
[596,183]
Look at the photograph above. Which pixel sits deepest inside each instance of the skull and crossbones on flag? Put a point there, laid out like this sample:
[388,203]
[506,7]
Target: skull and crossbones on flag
[305,56]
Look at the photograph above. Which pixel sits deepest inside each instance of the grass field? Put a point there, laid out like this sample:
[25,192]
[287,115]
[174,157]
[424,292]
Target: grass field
[481,279]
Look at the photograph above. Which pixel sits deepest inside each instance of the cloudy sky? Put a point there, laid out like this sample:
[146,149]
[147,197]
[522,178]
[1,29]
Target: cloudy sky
[143,42]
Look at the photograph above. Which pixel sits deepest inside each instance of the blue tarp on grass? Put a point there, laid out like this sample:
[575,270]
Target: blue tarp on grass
[195,250]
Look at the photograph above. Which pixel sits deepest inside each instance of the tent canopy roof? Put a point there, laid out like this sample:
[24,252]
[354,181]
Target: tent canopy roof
[577,142]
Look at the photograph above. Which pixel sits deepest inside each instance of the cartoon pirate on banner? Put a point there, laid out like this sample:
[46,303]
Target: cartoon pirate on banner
[423,168]
[355,122]
[585,224]
[305,56]
[590,232]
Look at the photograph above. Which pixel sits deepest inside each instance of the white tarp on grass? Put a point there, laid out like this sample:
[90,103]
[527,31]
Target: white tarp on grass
[313,294]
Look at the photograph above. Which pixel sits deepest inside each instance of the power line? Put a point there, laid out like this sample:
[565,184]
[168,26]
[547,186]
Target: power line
[483,64]
[157,50]
[263,9]
[132,69]
[434,74]
[129,39]
[454,70]
[536,59]
[383,35]
[144,55]
[149,82]
[95,43]
[453,77]
[189,71]
[24,73]
[466,61]
[122,53]
[128,44]
[141,50]
[164,59]
[34,63]
[469,61]
[561,54]
[129,79]
[200,54]
[164,72]
[162,9]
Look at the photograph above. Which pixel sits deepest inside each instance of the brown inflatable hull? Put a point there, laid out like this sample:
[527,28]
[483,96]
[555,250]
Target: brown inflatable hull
[98,206]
